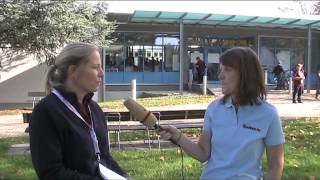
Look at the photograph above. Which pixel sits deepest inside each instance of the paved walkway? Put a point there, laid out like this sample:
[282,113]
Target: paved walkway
[310,108]
[12,125]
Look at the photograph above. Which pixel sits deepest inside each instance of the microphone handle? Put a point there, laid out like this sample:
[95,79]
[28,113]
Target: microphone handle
[158,128]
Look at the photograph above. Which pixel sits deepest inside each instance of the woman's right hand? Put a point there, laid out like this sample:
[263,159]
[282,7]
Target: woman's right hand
[169,132]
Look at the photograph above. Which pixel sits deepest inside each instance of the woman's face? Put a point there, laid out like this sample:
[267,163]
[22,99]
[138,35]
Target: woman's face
[298,68]
[88,76]
[229,80]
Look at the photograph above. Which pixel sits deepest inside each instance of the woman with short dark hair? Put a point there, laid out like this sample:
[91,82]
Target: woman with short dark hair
[239,127]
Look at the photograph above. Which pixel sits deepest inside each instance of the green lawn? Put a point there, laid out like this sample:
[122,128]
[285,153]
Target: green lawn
[161,101]
[302,157]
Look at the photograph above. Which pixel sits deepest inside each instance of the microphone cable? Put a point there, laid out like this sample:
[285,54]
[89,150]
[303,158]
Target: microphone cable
[182,165]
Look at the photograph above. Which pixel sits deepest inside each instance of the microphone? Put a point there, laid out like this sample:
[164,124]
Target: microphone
[145,116]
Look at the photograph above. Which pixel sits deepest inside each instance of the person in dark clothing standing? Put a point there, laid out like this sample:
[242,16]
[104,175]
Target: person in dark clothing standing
[200,69]
[68,131]
[278,72]
[318,82]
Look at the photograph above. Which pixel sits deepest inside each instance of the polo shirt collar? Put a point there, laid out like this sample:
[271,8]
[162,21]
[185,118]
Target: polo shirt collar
[229,104]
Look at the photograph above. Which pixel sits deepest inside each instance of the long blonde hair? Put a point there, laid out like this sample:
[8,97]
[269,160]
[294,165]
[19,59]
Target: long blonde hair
[72,54]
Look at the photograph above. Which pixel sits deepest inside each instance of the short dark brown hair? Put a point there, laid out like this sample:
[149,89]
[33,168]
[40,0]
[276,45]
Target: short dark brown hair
[251,86]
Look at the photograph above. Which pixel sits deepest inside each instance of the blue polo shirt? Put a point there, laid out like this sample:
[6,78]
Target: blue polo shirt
[238,140]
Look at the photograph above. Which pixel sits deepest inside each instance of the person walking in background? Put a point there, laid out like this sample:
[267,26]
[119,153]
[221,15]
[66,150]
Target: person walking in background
[318,82]
[278,72]
[200,66]
[68,131]
[238,127]
[305,73]
[298,78]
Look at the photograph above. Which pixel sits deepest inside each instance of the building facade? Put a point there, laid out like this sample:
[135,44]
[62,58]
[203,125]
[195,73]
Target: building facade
[159,49]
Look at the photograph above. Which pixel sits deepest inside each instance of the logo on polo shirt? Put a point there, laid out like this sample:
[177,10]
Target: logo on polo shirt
[251,128]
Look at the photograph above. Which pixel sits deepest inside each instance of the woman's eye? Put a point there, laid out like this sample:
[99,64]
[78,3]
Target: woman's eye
[96,67]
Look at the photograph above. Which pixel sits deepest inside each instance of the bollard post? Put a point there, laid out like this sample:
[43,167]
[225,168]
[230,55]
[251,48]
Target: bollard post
[190,79]
[266,76]
[134,89]
[204,85]
[290,85]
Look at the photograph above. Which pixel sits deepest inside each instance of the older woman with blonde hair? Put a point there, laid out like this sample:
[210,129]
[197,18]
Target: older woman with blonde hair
[68,131]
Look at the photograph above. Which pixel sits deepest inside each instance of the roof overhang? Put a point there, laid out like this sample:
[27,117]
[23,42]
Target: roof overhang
[222,19]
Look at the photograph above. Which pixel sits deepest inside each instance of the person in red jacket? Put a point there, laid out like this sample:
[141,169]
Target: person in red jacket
[318,82]
[200,66]
[298,78]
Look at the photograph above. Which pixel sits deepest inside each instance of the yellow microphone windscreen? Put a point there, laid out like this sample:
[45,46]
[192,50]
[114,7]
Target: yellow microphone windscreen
[140,113]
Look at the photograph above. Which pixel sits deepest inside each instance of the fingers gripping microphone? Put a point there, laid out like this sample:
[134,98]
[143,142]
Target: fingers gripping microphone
[142,114]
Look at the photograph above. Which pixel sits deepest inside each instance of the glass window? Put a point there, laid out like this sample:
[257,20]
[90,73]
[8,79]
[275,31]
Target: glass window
[157,59]
[299,48]
[147,52]
[153,63]
[155,54]
[115,58]
[287,51]
[167,40]
[148,61]
[137,64]
[282,42]
[171,58]
[267,42]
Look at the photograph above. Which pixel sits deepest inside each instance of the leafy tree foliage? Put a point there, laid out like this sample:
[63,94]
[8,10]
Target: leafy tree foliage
[316,8]
[312,9]
[306,7]
[43,27]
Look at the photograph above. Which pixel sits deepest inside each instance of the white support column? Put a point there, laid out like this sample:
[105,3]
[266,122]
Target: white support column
[266,76]
[290,85]
[204,85]
[181,57]
[134,89]
[309,58]
[104,73]
[190,79]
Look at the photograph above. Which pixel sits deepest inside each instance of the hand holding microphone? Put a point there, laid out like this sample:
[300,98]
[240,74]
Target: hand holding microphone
[147,118]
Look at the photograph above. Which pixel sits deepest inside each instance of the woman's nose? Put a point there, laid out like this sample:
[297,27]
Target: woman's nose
[100,72]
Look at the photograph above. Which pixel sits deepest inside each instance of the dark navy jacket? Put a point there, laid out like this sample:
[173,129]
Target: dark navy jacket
[60,143]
